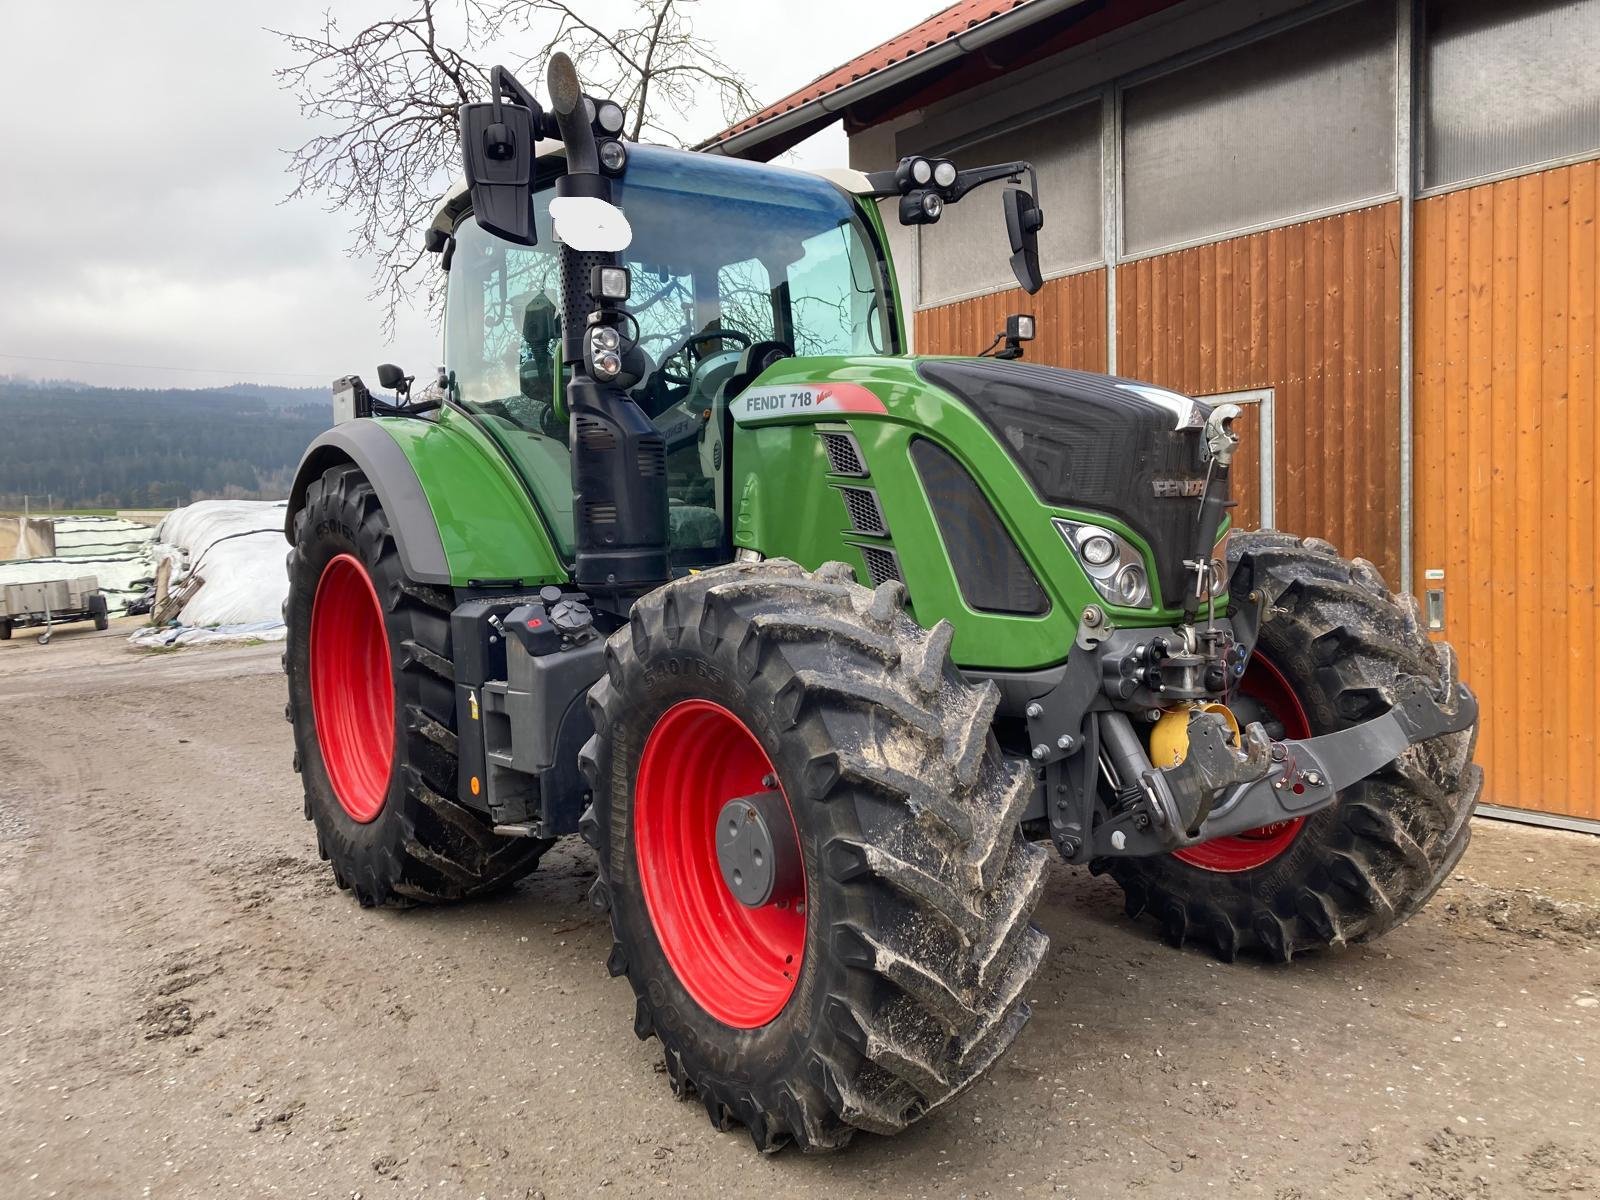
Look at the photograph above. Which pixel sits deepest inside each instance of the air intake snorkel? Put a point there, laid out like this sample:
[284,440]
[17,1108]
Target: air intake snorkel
[619,477]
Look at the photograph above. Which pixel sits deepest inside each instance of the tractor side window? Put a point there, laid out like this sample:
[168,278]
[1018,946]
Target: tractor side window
[502,327]
[835,296]
[502,345]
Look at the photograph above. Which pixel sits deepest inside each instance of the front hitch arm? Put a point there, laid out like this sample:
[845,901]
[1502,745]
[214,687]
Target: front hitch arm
[1218,791]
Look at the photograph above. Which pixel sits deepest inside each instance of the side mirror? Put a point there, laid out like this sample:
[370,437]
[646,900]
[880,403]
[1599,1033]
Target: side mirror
[1023,221]
[540,322]
[497,153]
[392,377]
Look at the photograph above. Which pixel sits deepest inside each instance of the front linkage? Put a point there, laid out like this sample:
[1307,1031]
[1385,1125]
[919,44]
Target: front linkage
[1226,781]
[1082,730]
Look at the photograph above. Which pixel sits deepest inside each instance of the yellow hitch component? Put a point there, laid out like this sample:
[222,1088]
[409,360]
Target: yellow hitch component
[1169,740]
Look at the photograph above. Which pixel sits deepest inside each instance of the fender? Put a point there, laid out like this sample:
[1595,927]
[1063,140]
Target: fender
[442,483]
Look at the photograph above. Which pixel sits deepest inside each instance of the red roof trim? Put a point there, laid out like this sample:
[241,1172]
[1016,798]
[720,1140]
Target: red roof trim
[941,27]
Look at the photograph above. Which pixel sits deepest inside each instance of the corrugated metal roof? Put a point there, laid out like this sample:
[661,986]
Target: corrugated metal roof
[941,27]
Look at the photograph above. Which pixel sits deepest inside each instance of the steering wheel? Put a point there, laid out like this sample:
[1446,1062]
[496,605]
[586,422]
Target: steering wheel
[684,345]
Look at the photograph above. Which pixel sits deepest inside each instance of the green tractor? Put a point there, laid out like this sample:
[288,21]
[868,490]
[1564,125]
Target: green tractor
[819,644]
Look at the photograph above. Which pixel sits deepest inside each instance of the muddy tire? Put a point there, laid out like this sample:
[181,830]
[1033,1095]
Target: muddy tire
[1340,641]
[380,774]
[916,943]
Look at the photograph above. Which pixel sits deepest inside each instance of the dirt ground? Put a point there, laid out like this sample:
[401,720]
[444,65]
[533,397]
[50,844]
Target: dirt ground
[188,1007]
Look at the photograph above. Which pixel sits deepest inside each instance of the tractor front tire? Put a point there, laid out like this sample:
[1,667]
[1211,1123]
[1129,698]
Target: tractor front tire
[1333,644]
[372,701]
[887,975]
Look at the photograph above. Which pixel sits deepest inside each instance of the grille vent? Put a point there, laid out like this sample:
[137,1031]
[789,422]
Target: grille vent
[990,570]
[602,514]
[652,460]
[596,435]
[844,455]
[865,514]
[882,564]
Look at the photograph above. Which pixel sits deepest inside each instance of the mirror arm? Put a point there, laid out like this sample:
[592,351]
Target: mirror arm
[503,83]
[966,181]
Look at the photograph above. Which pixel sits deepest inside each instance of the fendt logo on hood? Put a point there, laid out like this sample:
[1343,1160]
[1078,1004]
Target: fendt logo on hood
[777,401]
[1178,489]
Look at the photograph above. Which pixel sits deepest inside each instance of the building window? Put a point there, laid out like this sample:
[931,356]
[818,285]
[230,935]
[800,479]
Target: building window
[1295,124]
[1509,87]
[967,252]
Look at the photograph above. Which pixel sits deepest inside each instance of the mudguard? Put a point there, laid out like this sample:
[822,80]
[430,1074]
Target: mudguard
[460,515]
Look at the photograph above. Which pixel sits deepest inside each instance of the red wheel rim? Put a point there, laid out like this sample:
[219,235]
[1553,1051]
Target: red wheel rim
[740,964]
[352,692]
[1264,683]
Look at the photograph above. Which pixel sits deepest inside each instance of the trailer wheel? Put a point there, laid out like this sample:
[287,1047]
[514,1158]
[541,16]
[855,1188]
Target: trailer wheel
[372,700]
[809,845]
[5,631]
[1334,643]
[99,611]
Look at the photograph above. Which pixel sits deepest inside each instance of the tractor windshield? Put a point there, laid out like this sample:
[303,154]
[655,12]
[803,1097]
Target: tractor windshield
[724,254]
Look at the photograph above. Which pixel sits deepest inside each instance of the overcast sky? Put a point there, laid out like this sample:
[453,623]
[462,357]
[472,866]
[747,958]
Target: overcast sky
[142,180]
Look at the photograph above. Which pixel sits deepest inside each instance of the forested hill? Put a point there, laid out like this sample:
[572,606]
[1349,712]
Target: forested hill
[98,447]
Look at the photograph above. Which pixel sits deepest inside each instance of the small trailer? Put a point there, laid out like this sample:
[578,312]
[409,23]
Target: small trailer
[52,602]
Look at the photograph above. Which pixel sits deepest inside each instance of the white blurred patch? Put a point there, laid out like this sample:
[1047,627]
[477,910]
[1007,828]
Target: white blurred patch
[587,223]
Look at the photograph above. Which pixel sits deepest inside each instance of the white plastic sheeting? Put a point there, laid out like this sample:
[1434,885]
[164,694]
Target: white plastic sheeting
[114,551]
[151,637]
[237,547]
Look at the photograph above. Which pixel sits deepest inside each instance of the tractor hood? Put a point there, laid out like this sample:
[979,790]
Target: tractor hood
[1094,442]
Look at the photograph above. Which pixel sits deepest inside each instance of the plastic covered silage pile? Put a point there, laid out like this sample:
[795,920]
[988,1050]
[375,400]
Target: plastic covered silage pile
[236,547]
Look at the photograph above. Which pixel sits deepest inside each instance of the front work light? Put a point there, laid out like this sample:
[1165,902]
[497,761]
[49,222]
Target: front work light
[1112,563]
[613,156]
[610,283]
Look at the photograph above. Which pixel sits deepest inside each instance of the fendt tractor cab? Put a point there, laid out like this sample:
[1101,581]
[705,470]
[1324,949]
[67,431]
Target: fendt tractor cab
[819,643]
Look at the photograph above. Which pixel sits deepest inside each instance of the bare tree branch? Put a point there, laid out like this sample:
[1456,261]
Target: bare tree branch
[384,101]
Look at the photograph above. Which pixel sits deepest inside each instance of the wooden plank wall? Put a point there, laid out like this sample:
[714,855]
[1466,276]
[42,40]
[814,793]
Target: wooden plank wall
[1070,312]
[1313,311]
[1506,444]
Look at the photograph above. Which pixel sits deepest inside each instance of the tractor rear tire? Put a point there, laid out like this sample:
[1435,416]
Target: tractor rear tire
[895,979]
[1335,642]
[377,702]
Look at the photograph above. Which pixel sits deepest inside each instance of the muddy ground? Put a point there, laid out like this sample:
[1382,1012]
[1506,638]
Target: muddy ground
[188,1007]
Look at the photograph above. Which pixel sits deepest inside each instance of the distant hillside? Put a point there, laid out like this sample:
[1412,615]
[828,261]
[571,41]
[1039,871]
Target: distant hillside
[96,447]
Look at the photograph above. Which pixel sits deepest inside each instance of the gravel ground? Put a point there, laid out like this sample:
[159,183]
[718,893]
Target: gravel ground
[188,1007]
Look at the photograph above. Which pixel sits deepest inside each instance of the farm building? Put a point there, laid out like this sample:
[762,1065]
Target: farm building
[1372,222]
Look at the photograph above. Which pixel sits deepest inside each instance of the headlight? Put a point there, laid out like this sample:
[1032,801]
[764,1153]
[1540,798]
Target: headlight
[1098,550]
[1131,587]
[1113,564]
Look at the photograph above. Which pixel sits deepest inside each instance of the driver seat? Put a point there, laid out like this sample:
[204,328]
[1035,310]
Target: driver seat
[757,357]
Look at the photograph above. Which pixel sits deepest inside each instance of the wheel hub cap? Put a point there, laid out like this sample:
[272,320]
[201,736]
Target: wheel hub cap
[756,865]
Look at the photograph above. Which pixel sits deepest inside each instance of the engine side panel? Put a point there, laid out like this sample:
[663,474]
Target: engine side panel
[787,500]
